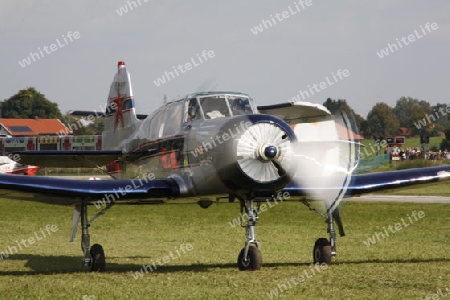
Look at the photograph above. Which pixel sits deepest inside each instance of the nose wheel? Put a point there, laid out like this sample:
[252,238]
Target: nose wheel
[250,262]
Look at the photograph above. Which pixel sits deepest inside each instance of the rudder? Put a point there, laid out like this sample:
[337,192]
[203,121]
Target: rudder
[120,116]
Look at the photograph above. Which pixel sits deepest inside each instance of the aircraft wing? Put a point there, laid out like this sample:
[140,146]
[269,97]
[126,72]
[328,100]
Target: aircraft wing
[69,191]
[297,112]
[388,180]
[367,183]
[67,159]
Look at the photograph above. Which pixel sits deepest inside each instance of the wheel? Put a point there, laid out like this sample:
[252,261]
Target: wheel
[322,252]
[252,262]
[98,258]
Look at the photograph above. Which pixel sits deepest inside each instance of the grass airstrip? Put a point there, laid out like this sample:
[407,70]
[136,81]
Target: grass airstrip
[412,262]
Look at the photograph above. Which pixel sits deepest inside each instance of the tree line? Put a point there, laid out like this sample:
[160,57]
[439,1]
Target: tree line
[415,117]
[418,117]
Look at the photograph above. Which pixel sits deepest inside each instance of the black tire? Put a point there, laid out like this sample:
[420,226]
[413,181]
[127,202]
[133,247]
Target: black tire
[322,252]
[98,258]
[253,261]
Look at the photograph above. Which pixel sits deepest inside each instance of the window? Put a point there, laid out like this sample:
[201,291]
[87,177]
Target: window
[192,110]
[172,117]
[214,107]
[239,105]
[155,125]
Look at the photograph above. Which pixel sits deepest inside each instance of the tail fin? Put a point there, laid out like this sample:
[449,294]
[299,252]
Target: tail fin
[120,116]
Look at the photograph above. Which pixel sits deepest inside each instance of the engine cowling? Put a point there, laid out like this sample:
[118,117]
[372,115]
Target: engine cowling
[258,157]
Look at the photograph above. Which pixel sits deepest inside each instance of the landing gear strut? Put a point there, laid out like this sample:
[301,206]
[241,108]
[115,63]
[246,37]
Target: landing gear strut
[250,258]
[324,250]
[94,257]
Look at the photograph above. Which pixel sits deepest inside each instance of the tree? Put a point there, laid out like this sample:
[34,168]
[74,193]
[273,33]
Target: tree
[409,110]
[418,113]
[341,105]
[381,121]
[28,104]
[445,144]
[439,111]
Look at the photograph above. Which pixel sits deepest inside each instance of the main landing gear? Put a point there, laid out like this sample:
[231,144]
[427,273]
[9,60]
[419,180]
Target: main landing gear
[324,250]
[250,258]
[94,257]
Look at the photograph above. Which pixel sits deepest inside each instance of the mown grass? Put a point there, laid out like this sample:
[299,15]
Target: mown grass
[412,263]
[408,164]
[440,188]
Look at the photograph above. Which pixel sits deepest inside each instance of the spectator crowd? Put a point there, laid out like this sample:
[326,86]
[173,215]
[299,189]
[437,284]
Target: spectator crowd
[411,153]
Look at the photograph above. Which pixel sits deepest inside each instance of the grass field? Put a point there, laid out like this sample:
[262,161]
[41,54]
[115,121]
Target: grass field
[436,189]
[409,264]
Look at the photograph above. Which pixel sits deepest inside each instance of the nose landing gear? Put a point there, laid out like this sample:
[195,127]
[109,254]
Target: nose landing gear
[250,258]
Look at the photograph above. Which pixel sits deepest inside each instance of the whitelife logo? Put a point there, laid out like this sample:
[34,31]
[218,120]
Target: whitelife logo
[430,118]
[266,24]
[187,66]
[286,285]
[182,249]
[321,86]
[206,146]
[34,56]
[378,236]
[110,198]
[131,5]
[391,48]
[31,240]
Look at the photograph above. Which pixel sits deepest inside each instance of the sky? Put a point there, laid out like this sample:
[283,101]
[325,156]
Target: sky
[301,47]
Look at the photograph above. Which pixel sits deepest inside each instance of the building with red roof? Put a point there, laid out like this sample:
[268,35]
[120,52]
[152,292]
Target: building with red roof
[32,127]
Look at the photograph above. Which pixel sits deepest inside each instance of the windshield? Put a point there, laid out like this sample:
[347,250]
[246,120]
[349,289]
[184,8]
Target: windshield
[239,105]
[214,107]
[217,106]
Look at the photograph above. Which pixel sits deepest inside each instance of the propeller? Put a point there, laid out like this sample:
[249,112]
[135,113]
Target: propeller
[326,154]
[264,152]
[321,160]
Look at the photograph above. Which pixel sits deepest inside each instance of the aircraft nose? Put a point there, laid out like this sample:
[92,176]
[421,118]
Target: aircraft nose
[267,152]
[270,151]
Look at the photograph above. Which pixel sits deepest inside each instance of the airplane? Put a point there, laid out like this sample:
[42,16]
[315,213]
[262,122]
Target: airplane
[212,147]
[9,166]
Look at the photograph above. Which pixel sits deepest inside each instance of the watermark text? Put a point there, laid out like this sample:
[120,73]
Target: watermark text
[378,236]
[46,50]
[404,41]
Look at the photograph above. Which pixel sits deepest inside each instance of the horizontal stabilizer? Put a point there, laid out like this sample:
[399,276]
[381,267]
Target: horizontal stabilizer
[68,159]
[86,113]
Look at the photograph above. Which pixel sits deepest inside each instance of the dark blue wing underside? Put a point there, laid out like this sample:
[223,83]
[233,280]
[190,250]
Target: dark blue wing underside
[69,191]
[367,183]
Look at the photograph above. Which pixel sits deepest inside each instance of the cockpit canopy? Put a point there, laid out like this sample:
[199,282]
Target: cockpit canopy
[212,106]
[171,119]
